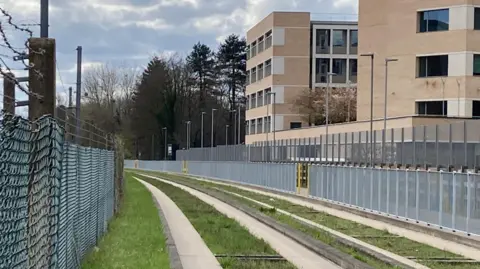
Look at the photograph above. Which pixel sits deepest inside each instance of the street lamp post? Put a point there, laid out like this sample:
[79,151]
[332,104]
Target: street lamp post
[201,142]
[372,58]
[226,134]
[165,131]
[327,111]
[239,124]
[213,123]
[188,134]
[273,120]
[387,60]
[234,126]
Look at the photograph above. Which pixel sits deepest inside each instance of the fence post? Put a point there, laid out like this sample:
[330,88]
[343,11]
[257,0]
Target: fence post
[42,99]
[9,93]
[42,78]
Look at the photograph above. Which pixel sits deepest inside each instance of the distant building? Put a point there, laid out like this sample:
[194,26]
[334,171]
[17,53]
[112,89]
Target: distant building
[287,53]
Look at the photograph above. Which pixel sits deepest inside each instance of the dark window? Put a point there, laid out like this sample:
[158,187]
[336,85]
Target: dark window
[322,67]
[432,66]
[432,108]
[340,70]
[353,70]
[476,19]
[476,109]
[476,65]
[433,20]
[323,41]
[295,125]
[354,38]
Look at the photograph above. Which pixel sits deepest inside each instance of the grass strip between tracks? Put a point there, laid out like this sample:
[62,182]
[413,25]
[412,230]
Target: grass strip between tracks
[135,238]
[402,246]
[221,234]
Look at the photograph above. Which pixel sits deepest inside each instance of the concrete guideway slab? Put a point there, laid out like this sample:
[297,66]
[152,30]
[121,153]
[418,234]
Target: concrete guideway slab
[460,249]
[286,247]
[192,250]
[402,260]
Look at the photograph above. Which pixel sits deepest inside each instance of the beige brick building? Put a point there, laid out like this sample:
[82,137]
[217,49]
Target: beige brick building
[289,53]
[435,78]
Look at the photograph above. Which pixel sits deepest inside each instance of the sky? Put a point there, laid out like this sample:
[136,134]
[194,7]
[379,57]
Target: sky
[128,33]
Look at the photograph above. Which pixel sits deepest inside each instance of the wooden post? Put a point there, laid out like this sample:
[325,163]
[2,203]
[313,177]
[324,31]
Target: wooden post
[71,125]
[41,77]
[9,93]
[62,117]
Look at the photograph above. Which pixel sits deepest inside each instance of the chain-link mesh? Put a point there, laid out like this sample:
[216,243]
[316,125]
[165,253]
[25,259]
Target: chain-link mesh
[55,197]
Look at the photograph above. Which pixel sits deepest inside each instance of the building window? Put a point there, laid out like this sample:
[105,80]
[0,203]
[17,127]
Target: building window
[339,41]
[476,19]
[353,70]
[260,99]
[260,71]
[476,65]
[268,39]
[247,79]
[259,126]
[260,44]
[340,70]
[432,108]
[268,68]
[323,41]
[248,102]
[268,96]
[253,49]
[476,109]
[253,76]
[253,99]
[322,67]
[252,127]
[247,127]
[433,20]
[248,52]
[295,125]
[353,41]
[266,126]
[432,66]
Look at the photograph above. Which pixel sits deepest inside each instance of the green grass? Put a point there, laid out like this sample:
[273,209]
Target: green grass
[399,245]
[221,234]
[135,237]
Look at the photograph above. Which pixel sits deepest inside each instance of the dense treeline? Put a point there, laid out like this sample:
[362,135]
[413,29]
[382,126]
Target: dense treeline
[143,107]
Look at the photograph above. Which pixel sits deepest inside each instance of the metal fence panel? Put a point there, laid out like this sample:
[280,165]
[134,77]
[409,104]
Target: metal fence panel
[54,201]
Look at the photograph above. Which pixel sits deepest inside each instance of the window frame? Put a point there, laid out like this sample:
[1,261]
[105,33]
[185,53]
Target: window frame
[476,57]
[419,67]
[476,23]
[422,13]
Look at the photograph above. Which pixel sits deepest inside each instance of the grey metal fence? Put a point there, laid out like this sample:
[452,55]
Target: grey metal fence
[450,200]
[55,197]
[445,146]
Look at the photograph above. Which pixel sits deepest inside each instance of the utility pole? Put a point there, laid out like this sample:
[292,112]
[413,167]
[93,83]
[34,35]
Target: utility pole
[44,18]
[9,93]
[70,101]
[79,91]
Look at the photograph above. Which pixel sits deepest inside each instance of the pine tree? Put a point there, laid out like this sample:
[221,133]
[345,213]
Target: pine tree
[201,62]
[231,63]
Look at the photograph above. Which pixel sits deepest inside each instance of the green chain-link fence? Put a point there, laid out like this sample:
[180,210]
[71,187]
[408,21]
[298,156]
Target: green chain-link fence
[55,197]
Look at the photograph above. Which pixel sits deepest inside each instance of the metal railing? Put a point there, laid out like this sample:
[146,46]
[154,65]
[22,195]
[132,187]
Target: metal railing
[449,200]
[450,146]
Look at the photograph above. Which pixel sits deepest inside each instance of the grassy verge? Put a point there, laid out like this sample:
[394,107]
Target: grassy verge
[220,233]
[135,237]
[382,239]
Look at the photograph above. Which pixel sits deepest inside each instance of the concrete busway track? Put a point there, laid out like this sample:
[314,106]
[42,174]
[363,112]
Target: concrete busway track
[299,249]
[466,250]
[378,253]
[188,247]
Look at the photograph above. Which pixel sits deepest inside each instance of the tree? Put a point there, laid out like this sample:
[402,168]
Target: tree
[201,63]
[342,102]
[231,63]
